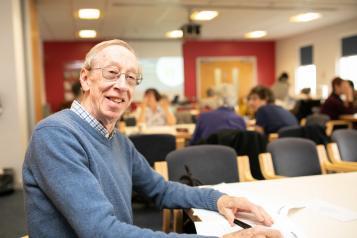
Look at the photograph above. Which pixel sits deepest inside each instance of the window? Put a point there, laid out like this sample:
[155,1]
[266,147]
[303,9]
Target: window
[347,65]
[305,78]
[164,73]
[347,68]
[305,75]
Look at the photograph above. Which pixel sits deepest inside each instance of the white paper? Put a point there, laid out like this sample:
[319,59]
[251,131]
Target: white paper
[333,211]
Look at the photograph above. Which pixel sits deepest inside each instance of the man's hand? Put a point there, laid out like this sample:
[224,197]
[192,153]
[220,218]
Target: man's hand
[255,232]
[229,206]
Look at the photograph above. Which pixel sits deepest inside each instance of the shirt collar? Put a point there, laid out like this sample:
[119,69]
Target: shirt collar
[77,108]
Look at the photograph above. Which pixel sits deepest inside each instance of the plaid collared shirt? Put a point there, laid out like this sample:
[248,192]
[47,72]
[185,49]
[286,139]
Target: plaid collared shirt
[82,113]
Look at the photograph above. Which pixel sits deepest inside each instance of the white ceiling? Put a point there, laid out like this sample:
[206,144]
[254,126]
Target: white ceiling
[150,19]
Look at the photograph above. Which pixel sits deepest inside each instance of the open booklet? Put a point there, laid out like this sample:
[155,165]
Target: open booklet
[213,224]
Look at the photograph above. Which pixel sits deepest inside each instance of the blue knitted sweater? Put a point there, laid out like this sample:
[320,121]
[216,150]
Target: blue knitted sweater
[79,183]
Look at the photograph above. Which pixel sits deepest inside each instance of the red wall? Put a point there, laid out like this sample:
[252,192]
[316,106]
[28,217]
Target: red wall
[56,55]
[264,51]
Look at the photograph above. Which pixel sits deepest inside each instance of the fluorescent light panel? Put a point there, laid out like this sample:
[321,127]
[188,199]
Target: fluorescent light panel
[305,17]
[88,13]
[255,34]
[87,33]
[174,34]
[203,15]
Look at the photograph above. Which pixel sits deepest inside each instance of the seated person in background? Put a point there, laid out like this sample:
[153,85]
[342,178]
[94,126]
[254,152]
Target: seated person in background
[154,111]
[222,118]
[210,101]
[354,95]
[335,106]
[79,171]
[269,117]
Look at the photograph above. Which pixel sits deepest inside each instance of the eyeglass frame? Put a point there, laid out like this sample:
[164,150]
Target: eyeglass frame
[138,79]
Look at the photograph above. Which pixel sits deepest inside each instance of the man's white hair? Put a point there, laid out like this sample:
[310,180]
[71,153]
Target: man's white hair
[88,62]
[226,95]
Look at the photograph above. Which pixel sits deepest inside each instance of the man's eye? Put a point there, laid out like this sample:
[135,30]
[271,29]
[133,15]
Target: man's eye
[113,72]
[131,77]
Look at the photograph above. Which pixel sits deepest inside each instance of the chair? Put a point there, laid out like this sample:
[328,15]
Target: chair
[249,143]
[324,121]
[315,133]
[291,157]
[210,164]
[154,147]
[343,150]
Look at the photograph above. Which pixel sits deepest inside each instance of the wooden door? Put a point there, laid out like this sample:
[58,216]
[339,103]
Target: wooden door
[238,71]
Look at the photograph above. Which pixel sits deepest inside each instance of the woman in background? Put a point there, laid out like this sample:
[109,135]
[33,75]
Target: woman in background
[155,110]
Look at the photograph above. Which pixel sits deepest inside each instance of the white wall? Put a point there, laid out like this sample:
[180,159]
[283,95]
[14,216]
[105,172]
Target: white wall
[13,120]
[154,49]
[326,51]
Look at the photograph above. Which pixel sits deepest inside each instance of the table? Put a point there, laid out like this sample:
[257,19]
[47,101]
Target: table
[338,189]
[349,117]
[183,132]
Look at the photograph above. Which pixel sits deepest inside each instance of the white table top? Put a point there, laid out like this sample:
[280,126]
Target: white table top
[130,130]
[337,189]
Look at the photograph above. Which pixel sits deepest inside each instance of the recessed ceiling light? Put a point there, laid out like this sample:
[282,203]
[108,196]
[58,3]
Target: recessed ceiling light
[255,34]
[203,15]
[174,34]
[87,33]
[88,13]
[305,17]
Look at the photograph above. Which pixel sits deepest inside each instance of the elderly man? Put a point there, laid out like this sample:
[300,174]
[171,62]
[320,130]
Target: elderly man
[79,172]
[224,117]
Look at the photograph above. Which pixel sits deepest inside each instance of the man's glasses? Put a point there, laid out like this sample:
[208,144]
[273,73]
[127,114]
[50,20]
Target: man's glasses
[112,74]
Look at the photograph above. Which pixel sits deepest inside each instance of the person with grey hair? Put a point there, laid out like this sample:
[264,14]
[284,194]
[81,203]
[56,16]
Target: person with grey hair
[79,172]
[224,117]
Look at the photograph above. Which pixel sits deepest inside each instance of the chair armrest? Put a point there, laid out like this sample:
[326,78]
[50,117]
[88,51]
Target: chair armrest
[331,124]
[267,168]
[245,174]
[273,137]
[337,165]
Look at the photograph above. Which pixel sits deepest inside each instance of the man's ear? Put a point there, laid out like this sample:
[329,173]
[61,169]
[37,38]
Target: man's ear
[84,79]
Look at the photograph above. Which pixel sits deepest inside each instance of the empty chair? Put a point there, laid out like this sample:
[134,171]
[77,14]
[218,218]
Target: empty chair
[291,131]
[291,157]
[154,147]
[317,119]
[343,150]
[249,143]
[208,164]
[316,133]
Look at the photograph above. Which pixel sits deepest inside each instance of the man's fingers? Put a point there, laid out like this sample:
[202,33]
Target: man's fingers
[229,215]
[267,232]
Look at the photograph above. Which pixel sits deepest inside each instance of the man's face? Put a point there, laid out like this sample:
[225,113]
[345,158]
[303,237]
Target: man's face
[254,102]
[106,100]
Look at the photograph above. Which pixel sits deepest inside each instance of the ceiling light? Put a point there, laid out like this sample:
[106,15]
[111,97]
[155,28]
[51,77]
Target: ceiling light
[88,13]
[255,34]
[87,33]
[203,15]
[305,17]
[174,34]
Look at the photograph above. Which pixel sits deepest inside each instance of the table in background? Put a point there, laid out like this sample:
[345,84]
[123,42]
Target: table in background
[183,132]
[338,189]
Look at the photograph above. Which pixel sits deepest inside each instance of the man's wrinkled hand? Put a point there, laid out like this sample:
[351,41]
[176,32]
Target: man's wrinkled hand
[229,206]
[255,232]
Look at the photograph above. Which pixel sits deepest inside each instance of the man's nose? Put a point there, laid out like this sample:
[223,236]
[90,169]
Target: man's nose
[121,81]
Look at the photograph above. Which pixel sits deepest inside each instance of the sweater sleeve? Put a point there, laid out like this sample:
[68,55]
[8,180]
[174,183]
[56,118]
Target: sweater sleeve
[168,194]
[59,165]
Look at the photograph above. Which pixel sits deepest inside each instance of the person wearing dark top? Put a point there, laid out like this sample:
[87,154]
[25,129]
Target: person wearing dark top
[334,106]
[269,117]
[224,117]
